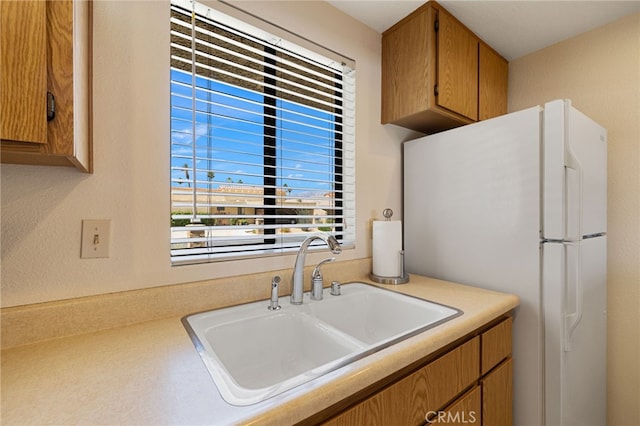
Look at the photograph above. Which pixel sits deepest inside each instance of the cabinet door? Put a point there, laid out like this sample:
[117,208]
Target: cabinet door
[405,67]
[493,75]
[23,86]
[408,401]
[457,67]
[466,410]
[64,69]
[497,397]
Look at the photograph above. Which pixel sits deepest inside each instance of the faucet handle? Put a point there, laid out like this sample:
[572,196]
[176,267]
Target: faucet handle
[316,280]
[316,271]
[335,288]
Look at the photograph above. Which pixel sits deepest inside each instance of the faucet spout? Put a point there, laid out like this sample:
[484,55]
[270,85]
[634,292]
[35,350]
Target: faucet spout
[297,283]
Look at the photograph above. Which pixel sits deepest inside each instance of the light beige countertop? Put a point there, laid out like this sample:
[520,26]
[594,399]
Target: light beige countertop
[151,374]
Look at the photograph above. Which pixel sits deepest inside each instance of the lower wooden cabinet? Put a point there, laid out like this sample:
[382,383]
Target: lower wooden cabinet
[471,384]
[497,375]
[496,345]
[466,410]
[427,390]
[497,399]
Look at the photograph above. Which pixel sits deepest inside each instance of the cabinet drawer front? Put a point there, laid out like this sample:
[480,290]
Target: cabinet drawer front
[496,345]
[429,389]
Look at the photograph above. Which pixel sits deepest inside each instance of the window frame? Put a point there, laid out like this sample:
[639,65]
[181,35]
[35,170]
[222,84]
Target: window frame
[270,160]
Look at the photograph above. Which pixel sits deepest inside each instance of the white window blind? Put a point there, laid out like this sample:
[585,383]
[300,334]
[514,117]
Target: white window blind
[262,140]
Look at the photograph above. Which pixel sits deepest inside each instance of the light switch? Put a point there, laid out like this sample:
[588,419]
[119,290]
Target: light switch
[96,238]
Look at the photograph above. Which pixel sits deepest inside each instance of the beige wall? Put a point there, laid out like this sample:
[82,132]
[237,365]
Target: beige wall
[42,207]
[600,72]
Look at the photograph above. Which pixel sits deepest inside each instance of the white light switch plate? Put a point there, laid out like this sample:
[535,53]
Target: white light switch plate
[96,238]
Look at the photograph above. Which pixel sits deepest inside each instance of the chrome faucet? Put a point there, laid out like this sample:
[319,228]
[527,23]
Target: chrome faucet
[297,283]
[317,283]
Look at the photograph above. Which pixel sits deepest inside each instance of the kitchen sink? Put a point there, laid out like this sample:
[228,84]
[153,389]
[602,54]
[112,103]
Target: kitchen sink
[254,353]
[376,316]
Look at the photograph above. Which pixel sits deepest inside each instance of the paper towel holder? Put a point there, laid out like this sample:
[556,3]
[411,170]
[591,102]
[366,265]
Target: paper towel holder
[404,277]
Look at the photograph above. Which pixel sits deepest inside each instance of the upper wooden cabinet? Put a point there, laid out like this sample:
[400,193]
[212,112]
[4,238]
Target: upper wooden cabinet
[493,76]
[46,57]
[456,86]
[436,74]
[23,86]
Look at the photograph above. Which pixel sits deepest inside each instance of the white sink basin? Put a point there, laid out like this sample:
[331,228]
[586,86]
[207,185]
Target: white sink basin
[375,316]
[253,353]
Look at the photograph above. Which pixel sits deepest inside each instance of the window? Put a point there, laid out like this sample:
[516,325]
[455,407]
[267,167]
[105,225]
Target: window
[262,140]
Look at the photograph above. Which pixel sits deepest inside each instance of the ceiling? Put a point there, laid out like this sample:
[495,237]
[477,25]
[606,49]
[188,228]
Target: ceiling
[513,28]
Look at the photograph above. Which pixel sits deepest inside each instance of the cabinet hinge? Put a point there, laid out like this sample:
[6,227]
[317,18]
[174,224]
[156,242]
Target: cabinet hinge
[436,25]
[51,106]
[435,90]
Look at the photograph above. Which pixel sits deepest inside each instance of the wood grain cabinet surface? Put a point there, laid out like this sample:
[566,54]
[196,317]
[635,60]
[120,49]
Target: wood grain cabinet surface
[497,374]
[46,60]
[437,74]
[408,401]
[469,384]
[493,76]
[496,344]
[466,410]
[497,397]
[23,86]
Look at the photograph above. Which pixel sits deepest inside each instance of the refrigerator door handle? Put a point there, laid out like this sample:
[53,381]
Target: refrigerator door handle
[571,320]
[572,163]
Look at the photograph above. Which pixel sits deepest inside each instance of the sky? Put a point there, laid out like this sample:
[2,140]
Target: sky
[229,138]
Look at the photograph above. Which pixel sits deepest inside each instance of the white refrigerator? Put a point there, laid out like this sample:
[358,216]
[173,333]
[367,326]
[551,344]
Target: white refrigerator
[517,204]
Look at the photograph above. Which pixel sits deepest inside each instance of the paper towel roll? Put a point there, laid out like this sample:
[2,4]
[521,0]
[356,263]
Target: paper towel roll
[387,244]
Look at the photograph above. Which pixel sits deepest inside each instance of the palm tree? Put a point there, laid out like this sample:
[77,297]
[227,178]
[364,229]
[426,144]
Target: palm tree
[210,176]
[186,174]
